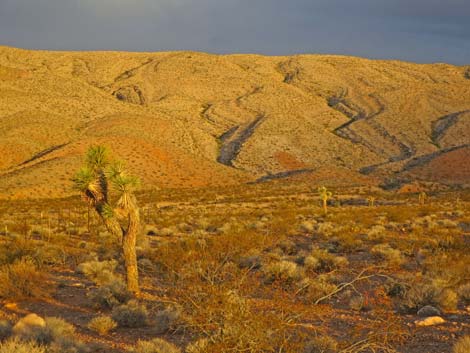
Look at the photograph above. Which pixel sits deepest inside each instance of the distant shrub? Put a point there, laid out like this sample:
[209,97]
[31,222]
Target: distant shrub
[322,260]
[199,346]
[464,292]
[316,288]
[55,330]
[131,314]
[102,324]
[448,299]
[100,272]
[286,272]
[325,228]
[156,345]
[462,345]
[109,295]
[17,346]
[386,252]
[323,344]
[5,329]
[22,279]
[167,319]
[377,232]
[419,295]
[357,303]
[56,335]
[308,226]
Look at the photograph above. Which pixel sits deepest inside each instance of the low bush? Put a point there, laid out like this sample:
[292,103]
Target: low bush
[286,272]
[100,272]
[464,293]
[17,346]
[22,280]
[131,314]
[167,319]
[156,345]
[102,324]
[323,344]
[109,295]
[5,329]
[462,345]
[385,252]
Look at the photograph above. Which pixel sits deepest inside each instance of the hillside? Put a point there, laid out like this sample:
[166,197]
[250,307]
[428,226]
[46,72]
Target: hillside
[185,119]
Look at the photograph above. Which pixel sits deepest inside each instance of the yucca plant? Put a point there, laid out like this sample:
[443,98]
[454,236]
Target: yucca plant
[325,195]
[96,180]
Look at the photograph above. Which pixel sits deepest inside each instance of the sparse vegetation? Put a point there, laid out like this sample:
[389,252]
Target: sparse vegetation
[217,283]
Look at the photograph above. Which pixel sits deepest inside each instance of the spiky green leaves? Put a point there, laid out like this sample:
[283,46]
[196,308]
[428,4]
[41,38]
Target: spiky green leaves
[92,180]
[119,178]
[82,180]
[97,158]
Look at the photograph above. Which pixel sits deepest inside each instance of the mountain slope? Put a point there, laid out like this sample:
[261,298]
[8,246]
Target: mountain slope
[185,119]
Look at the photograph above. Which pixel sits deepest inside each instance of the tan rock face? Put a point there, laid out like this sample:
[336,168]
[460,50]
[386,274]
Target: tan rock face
[27,324]
[185,119]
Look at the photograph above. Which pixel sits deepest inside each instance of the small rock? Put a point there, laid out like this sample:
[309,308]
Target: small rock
[430,321]
[27,324]
[428,310]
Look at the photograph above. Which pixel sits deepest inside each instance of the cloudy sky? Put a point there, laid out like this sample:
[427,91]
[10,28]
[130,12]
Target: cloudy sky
[414,30]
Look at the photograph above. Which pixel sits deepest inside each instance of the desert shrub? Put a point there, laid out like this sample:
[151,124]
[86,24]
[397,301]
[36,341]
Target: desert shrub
[131,314]
[323,344]
[100,272]
[109,295]
[448,299]
[308,226]
[146,266]
[5,329]
[22,279]
[316,288]
[50,254]
[392,256]
[102,324]
[287,247]
[377,232]
[199,346]
[17,346]
[55,330]
[464,292]
[357,303]
[321,260]
[284,271]
[419,295]
[462,345]
[167,319]
[326,228]
[251,262]
[156,345]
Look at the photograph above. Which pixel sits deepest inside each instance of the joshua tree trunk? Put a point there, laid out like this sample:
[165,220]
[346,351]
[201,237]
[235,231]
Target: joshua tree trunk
[128,246]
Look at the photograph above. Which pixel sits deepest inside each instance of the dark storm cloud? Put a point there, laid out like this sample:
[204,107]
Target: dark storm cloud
[417,30]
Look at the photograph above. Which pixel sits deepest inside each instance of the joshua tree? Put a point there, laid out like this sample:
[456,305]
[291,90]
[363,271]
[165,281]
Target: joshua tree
[325,195]
[422,198]
[371,201]
[95,181]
